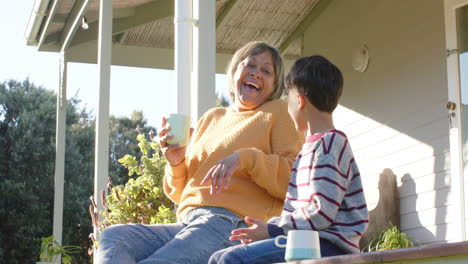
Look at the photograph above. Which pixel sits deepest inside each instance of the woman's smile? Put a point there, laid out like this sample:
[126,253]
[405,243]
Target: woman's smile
[254,80]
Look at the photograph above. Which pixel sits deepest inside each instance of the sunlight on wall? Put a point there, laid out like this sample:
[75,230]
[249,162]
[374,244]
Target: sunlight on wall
[377,146]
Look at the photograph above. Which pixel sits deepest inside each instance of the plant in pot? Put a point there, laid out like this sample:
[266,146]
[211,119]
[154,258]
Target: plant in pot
[391,238]
[51,249]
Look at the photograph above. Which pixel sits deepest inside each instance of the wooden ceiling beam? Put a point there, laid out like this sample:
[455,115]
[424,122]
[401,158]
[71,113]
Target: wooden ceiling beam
[305,23]
[140,15]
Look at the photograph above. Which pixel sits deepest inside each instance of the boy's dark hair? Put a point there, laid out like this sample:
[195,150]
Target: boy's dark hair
[318,79]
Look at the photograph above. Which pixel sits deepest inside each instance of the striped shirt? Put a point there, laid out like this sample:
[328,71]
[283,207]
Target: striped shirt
[325,192]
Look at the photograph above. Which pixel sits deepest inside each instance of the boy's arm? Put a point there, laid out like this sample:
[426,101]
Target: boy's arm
[322,198]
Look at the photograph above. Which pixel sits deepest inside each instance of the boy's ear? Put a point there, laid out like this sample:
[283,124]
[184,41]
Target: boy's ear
[301,101]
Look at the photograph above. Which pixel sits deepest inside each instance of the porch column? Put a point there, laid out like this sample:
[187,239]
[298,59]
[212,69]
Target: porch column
[204,57]
[101,165]
[182,53]
[60,148]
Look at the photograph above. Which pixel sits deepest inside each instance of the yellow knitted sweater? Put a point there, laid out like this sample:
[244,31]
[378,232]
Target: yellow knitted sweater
[267,144]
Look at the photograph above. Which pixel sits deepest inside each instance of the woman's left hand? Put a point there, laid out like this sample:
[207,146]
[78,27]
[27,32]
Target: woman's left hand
[221,173]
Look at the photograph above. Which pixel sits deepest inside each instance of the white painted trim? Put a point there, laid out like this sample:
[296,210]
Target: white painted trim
[101,165]
[453,78]
[60,148]
[183,54]
[204,57]
[67,36]
[35,20]
[46,26]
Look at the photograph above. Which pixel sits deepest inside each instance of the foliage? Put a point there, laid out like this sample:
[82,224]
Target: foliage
[27,165]
[122,142]
[51,250]
[221,101]
[390,238]
[140,200]
[27,147]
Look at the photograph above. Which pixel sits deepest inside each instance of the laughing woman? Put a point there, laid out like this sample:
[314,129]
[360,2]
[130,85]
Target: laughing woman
[237,164]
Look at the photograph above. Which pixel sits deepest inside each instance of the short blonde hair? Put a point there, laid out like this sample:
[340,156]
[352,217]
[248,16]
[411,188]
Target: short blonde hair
[251,49]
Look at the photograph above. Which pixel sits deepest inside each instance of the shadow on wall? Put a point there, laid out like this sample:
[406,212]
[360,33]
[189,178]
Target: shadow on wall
[387,209]
[416,218]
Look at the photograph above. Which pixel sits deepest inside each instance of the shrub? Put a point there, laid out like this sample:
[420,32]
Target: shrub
[141,199]
[51,250]
[390,238]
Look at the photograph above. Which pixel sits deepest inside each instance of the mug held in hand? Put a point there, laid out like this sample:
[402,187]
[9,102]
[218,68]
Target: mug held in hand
[301,244]
[180,129]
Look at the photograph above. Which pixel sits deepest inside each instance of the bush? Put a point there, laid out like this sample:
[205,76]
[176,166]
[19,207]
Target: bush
[141,199]
[51,251]
[390,238]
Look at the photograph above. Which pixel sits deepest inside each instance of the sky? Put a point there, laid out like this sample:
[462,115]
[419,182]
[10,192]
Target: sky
[131,88]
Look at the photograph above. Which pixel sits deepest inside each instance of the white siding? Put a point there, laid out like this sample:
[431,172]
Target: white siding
[394,113]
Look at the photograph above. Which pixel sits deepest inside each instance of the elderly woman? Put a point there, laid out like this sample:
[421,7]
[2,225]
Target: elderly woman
[237,164]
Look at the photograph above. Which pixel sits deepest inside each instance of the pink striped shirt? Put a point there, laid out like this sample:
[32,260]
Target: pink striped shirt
[325,192]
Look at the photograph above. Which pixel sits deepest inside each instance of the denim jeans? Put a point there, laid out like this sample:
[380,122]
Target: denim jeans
[264,251]
[202,232]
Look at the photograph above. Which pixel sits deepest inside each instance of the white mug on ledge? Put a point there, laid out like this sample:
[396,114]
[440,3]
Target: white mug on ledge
[300,245]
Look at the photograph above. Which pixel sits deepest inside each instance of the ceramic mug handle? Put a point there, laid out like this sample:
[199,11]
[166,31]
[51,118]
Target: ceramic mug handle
[277,241]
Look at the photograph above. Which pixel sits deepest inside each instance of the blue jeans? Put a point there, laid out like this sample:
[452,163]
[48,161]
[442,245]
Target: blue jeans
[202,232]
[264,251]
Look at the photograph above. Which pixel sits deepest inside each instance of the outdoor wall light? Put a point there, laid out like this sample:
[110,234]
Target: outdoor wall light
[360,58]
[84,23]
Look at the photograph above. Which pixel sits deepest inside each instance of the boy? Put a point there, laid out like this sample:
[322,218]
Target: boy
[325,191]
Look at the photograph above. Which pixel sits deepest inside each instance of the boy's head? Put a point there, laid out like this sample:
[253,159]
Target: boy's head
[319,80]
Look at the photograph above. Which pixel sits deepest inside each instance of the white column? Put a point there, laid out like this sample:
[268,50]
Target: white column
[60,148]
[101,165]
[182,53]
[204,57]
[456,127]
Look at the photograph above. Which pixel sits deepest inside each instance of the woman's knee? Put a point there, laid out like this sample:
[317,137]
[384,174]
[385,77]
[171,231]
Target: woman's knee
[230,255]
[113,232]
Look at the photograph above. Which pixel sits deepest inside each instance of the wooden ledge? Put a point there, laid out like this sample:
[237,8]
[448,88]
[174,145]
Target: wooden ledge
[413,253]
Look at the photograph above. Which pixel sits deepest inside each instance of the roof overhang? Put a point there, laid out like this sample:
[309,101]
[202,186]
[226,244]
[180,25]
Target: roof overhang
[143,30]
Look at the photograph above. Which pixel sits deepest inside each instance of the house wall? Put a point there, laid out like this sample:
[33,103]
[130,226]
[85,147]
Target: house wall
[395,113]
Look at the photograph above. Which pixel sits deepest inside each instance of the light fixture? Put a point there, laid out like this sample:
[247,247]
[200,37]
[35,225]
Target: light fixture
[360,58]
[84,23]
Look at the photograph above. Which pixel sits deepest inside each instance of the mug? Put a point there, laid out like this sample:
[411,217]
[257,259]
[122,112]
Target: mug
[301,244]
[180,129]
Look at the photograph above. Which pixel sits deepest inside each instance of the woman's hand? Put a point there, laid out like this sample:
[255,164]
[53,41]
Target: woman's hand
[221,173]
[174,154]
[258,231]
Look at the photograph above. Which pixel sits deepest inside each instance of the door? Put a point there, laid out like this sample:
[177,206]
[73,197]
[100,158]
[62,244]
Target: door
[456,27]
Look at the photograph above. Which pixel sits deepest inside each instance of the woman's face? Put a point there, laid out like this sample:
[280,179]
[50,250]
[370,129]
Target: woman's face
[254,81]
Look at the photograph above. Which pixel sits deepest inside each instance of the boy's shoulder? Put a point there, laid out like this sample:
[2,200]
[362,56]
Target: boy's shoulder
[332,142]
[334,134]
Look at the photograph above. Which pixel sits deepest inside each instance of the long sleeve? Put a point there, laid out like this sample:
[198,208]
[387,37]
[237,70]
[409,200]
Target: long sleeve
[267,143]
[272,171]
[322,195]
[325,192]
[175,179]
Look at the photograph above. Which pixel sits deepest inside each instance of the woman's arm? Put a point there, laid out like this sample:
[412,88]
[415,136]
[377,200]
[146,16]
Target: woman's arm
[272,171]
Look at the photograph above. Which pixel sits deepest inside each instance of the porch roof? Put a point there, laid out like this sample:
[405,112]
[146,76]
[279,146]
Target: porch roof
[146,24]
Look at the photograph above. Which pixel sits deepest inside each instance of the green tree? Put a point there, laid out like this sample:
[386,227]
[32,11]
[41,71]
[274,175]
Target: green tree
[26,148]
[222,101]
[27,163]
[123,131]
